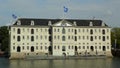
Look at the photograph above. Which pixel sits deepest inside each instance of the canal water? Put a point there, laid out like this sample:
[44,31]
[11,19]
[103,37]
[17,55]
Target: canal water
[76,63]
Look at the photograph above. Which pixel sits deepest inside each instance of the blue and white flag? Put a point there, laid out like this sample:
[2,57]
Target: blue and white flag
[65,9]
[14,16]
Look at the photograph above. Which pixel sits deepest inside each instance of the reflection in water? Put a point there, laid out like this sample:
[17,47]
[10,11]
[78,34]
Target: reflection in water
[81,63]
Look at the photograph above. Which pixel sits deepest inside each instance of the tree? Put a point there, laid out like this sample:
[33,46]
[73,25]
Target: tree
[115,34]
[4,38]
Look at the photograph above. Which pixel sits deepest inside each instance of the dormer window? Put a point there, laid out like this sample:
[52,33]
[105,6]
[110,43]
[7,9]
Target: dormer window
[75,23]
[91,24]
[103,24]
[18,22]
[32,22]
[49,23]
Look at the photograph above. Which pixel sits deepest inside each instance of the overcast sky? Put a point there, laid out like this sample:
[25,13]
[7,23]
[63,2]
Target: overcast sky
[106,10]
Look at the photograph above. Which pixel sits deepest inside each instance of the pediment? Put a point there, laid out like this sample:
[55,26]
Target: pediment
[63,23]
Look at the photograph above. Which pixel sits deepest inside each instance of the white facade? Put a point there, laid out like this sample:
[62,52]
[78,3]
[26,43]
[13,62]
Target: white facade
[58,39]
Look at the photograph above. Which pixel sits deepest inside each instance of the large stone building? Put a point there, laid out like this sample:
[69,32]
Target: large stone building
[58,37]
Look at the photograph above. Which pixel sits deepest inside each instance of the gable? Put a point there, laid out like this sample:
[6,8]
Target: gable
[63,23]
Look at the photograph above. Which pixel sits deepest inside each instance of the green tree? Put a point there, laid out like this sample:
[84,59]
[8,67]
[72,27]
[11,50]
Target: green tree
[115,34]
[4,38]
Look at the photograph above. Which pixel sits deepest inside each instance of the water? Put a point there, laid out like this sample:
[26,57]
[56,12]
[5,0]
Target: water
[81,63]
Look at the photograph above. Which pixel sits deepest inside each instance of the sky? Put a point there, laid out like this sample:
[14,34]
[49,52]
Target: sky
[106,10]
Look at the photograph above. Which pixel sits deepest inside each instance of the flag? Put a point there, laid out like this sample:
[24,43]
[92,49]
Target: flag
[14,16]
[65,9]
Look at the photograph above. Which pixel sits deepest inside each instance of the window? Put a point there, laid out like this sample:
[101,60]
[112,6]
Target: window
[36,47]
[79,37]
[32,49]
[108,37]
[87,37]
[63,30]
[32,38]
[104,48]
[79,30]
[23,37]
[54,30]
[32,31]
[18,38]
[92,48]
[99,47]
[95,47]
[54,37]
[68,37]
[63,48]
[103,31]
[41,37]
[46,37]
[83,37]
[83,47]
[95,37]
[18,31]
[45,47]
[27,47]
[91,38]
[23,47]
[13,37]
[13,47]
[83,30]
[75,31]
[68,30]
[107,47]
[79,47]
[41,47]
[99,37]
[91,31]
[54,47]
[50,38]
[103,38]
[75,38]
[36,30]
[23,30]
[58,30]
[69,47]
[37,37]
[87,47]
[63,38]
[58,37]
[58,47]
[18,49]
[27,37]
[13,29]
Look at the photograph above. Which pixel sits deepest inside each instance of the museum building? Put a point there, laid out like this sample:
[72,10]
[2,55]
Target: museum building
[59,37]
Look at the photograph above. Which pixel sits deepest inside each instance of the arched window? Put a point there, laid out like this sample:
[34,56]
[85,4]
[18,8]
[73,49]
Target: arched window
[32,31]
[75,31]
[92,48]
[63,48]
[91,38]
[18,31]
[91,31]
[32,38]
[18,38]
[32,49]
[103,31]
[18,49]
[75,38]
[103,38]
[63,30]
[63,38]
[104,48]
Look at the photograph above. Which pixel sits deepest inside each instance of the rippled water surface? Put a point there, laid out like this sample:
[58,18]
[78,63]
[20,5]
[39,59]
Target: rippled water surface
[81,63]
